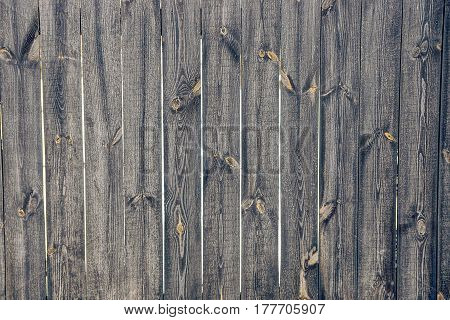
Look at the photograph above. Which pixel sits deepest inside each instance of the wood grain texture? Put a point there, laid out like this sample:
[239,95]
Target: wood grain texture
[300,56]
[61,76]
[261,26]
[418,149]
[221,135]
[379,97]
[182,164]
[443,285]
[100,23]
[338,198]
[22,151]
[141,59]
[2,220]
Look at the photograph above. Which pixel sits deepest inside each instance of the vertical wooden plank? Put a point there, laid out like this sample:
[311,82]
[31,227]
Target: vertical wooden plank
[2,221]
[419,148]
[300,55]
[379,97]
[61,76]
[221,135]
[340,73]
[181,116]
[444,167]
[22,150]
[141,58]
[100,23]
[261,28]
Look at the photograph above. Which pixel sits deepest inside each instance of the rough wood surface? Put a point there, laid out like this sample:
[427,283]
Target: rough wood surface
[221,134]
[182,164]
[61,76]
[338,198]
[300,57]
[261,26]
[379,97]
[100,23]
[443,285]
[141,59]
[2,221]
[22,151]
[418,149]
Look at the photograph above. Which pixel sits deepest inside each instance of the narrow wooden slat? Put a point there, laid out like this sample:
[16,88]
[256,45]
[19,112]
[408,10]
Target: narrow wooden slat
[443,284]
[300,56]
[182,175]
[100,23]
[419,148]
[379,96]
[141,58]
[2,222]
[261,28]
[221,134]
[22,150]
[338,199]
[61,75]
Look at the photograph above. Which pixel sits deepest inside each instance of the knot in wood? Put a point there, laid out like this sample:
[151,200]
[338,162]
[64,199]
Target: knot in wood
[180,228]
[175,104]
[260,206]
[261,54]
[446,155]
[389,136]
[231,162]
[246,204]
[21,213]
[421,227]
[57,139]
[6,55]
[51,251]
[223,31]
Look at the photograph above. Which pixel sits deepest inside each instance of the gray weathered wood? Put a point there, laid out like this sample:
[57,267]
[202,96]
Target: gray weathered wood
[261,26]
[300,56]
[22,151]
[379,97]
[100,23]
[338,198]
[2,224]
[221,134]
[418,148]
[141,59]
[443,285]
[182,175]
[61,76]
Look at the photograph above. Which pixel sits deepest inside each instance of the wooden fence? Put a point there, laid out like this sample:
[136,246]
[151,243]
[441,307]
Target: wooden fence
[225,149]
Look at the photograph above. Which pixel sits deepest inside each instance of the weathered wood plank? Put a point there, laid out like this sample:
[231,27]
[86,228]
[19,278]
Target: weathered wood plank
[338,198]
[419,148]
[261,28]
[300,55]
[141,58]
[22,150]
[182,176]
[61,76]
[443,285]
[2,221]
[100,23]
[379,97]
[221,134]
